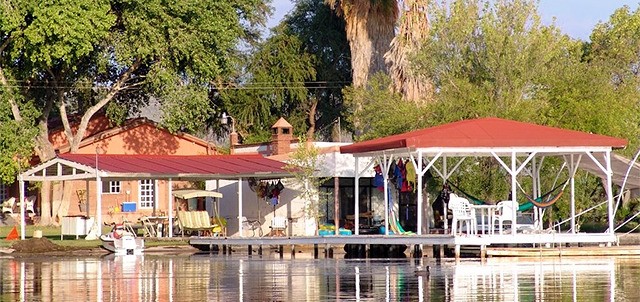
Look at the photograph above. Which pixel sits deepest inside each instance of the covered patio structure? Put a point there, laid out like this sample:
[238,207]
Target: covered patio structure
[517,146]
[106,167]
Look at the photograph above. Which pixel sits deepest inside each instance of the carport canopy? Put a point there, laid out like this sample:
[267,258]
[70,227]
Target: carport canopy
[99,167]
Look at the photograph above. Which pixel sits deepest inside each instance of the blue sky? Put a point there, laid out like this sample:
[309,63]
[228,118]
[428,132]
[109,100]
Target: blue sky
[574,17]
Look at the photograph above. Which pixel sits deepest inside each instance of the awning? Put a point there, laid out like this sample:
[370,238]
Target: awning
[193,193]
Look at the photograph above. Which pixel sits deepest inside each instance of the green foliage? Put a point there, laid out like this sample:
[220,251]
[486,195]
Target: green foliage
[303,164]
[385,112]
[305,61]
[186,108]
[323,35]
[16,142]
[277,73]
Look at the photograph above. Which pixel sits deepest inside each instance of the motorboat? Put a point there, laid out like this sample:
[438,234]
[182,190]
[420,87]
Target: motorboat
[121,241]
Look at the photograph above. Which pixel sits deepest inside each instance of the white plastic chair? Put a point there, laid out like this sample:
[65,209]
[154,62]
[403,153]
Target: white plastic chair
[505,212]
[279,224]
[462,213]
[7,205]
[29,204]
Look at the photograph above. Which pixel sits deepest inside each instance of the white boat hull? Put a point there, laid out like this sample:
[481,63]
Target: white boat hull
[125,245]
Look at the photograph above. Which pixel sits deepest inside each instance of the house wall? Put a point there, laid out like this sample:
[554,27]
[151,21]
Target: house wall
[112,202]
[254,208]
[143,139]
[149,140]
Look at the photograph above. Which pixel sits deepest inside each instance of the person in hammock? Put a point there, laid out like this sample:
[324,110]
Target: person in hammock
[440,205]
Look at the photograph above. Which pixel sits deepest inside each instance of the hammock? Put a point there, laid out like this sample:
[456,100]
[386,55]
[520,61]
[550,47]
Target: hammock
[474,199]
[538,202]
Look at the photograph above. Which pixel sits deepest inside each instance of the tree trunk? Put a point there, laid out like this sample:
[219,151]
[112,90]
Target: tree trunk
[44,151]
[413,31]
[370,29]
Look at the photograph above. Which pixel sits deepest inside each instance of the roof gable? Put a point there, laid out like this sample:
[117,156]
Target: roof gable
[143,136]
[487,133]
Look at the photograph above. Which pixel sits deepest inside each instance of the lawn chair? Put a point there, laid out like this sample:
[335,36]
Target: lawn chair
[149,228]
[251,225]
[278,226]
[505,213]
[29,203]
[462,213]
[7,205]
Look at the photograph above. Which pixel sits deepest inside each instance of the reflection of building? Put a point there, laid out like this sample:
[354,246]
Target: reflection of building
[503,279]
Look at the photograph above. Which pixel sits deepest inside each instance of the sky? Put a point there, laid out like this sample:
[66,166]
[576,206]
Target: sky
[574,17]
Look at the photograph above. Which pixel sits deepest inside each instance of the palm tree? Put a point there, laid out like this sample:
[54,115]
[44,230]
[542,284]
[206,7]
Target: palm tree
[413,30]
[370,30]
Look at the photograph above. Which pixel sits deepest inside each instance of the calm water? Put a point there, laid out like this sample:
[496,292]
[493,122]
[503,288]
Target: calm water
[204,277]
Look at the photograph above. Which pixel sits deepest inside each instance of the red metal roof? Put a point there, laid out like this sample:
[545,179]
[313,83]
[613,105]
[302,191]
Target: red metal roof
[217,166]
[487,132]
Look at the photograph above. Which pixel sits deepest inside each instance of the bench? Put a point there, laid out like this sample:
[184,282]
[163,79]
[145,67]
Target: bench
[197,222]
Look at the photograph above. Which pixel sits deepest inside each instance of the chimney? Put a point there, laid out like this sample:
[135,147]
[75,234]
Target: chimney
[233,141]
[281,137]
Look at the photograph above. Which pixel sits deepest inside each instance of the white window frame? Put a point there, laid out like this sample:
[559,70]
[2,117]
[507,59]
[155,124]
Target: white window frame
[146,193]
[4,192]
[111,187]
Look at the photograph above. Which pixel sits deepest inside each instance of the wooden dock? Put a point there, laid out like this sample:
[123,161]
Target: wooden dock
[561,251]
[486,245]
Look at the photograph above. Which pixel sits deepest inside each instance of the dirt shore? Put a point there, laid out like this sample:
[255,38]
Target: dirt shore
[44,246]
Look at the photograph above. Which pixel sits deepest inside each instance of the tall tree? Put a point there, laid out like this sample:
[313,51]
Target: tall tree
[274,86]
[323,35]
[412,32]
[370,28]
[298,72]
[77,58]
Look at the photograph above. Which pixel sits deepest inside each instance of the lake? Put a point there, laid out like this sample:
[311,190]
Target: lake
[216,277]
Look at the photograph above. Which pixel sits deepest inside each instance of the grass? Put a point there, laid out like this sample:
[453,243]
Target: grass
[53,233]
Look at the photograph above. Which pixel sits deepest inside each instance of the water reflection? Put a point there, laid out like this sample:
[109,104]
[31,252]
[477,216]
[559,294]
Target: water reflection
[204,277]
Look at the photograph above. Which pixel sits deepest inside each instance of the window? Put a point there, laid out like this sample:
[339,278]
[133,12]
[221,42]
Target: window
[147,193]
[111,187]
[4,192]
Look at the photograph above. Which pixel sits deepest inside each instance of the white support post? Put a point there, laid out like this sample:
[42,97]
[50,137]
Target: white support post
[98,203]
[385,177]
[22,224]
[155,196]
[572,166]
[513,192]
[356,194]
[419,181]
[444,204]
[170,214]
[240,207]
[609,191]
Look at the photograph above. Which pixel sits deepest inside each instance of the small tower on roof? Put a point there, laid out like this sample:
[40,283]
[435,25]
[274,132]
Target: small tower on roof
[281,137]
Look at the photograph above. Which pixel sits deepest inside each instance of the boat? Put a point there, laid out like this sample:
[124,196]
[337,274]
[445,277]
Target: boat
[121,241]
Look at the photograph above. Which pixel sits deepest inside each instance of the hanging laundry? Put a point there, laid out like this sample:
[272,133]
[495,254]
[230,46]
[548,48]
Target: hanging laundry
[378,179]
[411,175]
[399,172]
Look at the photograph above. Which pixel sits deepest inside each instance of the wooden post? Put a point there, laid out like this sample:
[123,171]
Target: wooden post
[260,250]
[280,249]
[249,251]
[293,251]
[315,251]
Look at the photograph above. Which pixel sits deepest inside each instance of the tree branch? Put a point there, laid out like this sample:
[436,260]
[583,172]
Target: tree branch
[117,87]
[15,110]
